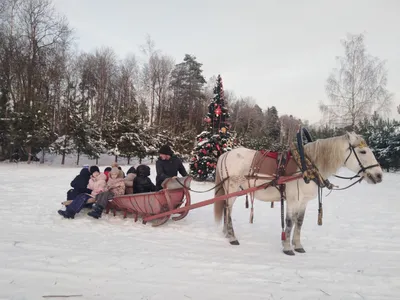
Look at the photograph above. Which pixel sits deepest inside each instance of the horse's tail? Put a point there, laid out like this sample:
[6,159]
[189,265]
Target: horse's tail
[219,191]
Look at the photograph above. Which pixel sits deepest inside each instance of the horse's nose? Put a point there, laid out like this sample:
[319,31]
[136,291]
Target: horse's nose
[378,177]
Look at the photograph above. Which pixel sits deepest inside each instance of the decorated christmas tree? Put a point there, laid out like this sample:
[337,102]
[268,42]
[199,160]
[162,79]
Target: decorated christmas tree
[215,140]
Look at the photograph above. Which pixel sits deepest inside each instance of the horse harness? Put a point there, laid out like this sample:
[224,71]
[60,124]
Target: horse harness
[267,165]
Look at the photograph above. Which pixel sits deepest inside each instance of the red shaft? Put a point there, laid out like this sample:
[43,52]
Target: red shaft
[281,180]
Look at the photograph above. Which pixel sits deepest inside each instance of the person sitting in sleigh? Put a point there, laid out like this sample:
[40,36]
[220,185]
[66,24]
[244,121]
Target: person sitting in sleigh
[142,183]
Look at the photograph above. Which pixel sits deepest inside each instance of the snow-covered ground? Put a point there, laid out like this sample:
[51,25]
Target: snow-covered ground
[354,255]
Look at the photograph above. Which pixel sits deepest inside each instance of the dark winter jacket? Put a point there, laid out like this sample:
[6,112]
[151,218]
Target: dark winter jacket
[142,183]
[79,184]
[168,168]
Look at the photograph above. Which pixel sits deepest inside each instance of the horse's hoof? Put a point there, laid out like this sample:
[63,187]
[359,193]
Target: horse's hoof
[300,250]
[288,252]
[235,243]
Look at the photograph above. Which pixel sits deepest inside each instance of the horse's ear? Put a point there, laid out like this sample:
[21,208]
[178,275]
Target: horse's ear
[348,135]
[351,136]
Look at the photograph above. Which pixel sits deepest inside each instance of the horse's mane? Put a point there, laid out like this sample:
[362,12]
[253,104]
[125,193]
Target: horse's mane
[327,154]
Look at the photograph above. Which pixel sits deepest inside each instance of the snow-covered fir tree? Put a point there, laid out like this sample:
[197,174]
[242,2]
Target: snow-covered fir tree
[63,146]
[383,137]
[154,138]
[95,144]
[183,144]
[214,141]
[130,142]
[31,130]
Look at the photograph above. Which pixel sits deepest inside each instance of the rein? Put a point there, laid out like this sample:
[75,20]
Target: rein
[194,191]
[362,169]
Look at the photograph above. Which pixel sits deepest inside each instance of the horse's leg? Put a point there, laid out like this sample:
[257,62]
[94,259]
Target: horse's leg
[225,230]
[290,216]
[228,226]
[299,218]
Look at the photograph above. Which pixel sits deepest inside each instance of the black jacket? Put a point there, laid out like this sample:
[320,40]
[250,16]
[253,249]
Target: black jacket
[168,168]
[143,185]
[79,184]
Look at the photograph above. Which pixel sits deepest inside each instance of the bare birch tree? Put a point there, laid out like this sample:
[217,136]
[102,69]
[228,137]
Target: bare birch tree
[149,81]
[127,85]
[162,74]
[358,87]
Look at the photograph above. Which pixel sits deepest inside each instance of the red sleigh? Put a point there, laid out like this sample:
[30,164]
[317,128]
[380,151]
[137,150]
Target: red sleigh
[174,194]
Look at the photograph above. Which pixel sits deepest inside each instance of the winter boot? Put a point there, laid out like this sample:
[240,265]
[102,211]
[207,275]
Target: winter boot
[96,212]
[68,214]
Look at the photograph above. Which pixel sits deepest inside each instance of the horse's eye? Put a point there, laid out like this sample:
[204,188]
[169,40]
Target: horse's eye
[363,152]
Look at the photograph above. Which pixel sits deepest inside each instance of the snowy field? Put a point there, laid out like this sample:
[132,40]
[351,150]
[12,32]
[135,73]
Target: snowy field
[354,255]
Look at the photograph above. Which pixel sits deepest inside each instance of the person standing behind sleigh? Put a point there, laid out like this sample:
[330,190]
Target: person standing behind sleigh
[115,187]
[168,165]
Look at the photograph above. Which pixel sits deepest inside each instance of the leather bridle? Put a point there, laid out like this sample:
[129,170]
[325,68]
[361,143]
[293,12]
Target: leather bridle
[362,168]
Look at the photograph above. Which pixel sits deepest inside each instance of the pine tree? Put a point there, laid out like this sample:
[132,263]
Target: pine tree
[5,121]
[383,137]
[183,143]
[95,144]
[273,126]
[131,141]
[111,135]
[63,145]
[31,130]
[216,140]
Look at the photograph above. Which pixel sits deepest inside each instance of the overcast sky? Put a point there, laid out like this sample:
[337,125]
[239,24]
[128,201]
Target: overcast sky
[278,52]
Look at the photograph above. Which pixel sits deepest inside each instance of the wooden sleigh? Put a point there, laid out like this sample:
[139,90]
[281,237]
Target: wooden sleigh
[175,192]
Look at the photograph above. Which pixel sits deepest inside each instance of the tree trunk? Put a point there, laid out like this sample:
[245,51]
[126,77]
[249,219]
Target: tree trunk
[77,158]
[42,158]
[129,160]
[29,149]
[97,160]
[152,105]
[116,158]
[63,158]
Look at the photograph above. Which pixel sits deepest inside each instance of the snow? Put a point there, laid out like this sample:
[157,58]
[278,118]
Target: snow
[354,255]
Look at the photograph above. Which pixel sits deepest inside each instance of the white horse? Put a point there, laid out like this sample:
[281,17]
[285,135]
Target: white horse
[328,155]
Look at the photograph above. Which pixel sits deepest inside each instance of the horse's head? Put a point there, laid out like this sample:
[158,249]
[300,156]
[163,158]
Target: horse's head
[361,159]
